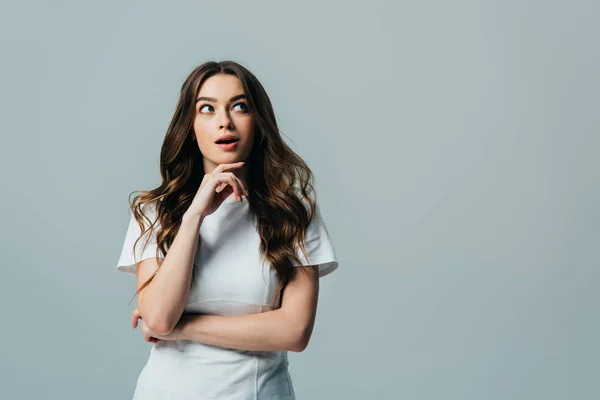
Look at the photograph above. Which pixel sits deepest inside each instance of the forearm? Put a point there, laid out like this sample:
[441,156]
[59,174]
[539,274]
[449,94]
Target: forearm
[267,331]
[162,302]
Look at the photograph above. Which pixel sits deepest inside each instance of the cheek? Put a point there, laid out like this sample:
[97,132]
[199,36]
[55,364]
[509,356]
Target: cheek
[201,130]
[203,138]
[246,127]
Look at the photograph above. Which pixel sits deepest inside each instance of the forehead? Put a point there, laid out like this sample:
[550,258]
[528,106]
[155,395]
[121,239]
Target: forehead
[221,87]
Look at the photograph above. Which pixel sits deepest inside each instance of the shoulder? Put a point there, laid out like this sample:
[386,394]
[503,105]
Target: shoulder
[148,211]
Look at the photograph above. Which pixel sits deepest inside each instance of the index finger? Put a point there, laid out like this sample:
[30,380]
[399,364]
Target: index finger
[134,321]
[134,318]
[226,167]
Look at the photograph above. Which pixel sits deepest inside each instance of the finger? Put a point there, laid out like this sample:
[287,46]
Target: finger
[227,190]
[151,339]
[226,167]
[135,316]
[228,178]
[241,190]
[220,183]
[220,188]
[242,187]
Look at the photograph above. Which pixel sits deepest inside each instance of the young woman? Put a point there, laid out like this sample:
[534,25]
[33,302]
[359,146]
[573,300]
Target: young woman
[228,250]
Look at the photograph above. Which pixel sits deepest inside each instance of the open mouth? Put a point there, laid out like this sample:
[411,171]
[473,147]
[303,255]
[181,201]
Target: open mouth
[227,141]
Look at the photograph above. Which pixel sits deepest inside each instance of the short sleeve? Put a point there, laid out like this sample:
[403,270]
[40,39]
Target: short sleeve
[319,246]
[127,263]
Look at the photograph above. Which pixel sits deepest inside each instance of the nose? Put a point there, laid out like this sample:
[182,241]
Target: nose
[224,121]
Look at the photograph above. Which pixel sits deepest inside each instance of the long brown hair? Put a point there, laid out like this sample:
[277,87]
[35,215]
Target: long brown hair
[281,196]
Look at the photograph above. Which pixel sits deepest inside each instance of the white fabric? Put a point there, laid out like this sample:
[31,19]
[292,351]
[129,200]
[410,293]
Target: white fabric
[127,263]
[232,278]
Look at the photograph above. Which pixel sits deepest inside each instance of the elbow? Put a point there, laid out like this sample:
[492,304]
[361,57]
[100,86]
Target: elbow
[300,333]
[159,326]
[161,329]
[298,346]
[156,322]
[300,341]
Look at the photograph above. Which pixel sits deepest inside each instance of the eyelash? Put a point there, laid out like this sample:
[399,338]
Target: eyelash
[237,104]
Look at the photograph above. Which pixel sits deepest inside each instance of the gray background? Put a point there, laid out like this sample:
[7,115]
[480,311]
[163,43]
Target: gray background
[456,151]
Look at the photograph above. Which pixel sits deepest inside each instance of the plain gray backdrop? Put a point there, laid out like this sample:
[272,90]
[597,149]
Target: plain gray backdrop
[456,152]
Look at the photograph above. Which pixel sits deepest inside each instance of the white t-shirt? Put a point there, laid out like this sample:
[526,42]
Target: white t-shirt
[232,278]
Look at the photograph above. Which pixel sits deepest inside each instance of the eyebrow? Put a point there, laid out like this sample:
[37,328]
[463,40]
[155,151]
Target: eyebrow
[213,100]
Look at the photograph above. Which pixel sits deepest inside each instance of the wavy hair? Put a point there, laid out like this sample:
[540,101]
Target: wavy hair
[282,198]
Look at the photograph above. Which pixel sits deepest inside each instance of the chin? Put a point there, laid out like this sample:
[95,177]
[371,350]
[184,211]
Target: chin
[229,158]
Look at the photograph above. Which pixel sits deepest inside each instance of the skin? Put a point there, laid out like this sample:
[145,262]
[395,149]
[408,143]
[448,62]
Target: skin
[220,108]
[223,116]
[290,326]
[287,328]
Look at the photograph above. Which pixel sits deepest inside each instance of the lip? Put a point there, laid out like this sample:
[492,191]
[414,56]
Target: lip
[227,137]
[228,146]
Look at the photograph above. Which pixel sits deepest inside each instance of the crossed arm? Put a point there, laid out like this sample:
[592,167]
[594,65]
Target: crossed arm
[287,328]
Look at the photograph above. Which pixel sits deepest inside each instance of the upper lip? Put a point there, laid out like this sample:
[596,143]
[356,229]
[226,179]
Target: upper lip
[227,137]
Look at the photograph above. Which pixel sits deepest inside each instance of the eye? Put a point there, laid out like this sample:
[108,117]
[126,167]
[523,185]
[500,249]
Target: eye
[244,108]
[204,105]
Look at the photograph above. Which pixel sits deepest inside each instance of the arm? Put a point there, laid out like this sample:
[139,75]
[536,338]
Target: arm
[162,302]
[287,328]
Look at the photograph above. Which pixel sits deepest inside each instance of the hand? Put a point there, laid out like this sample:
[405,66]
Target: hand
[150,336]
[216,187]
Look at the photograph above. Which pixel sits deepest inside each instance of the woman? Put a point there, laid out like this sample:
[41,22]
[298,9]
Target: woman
[236,210]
